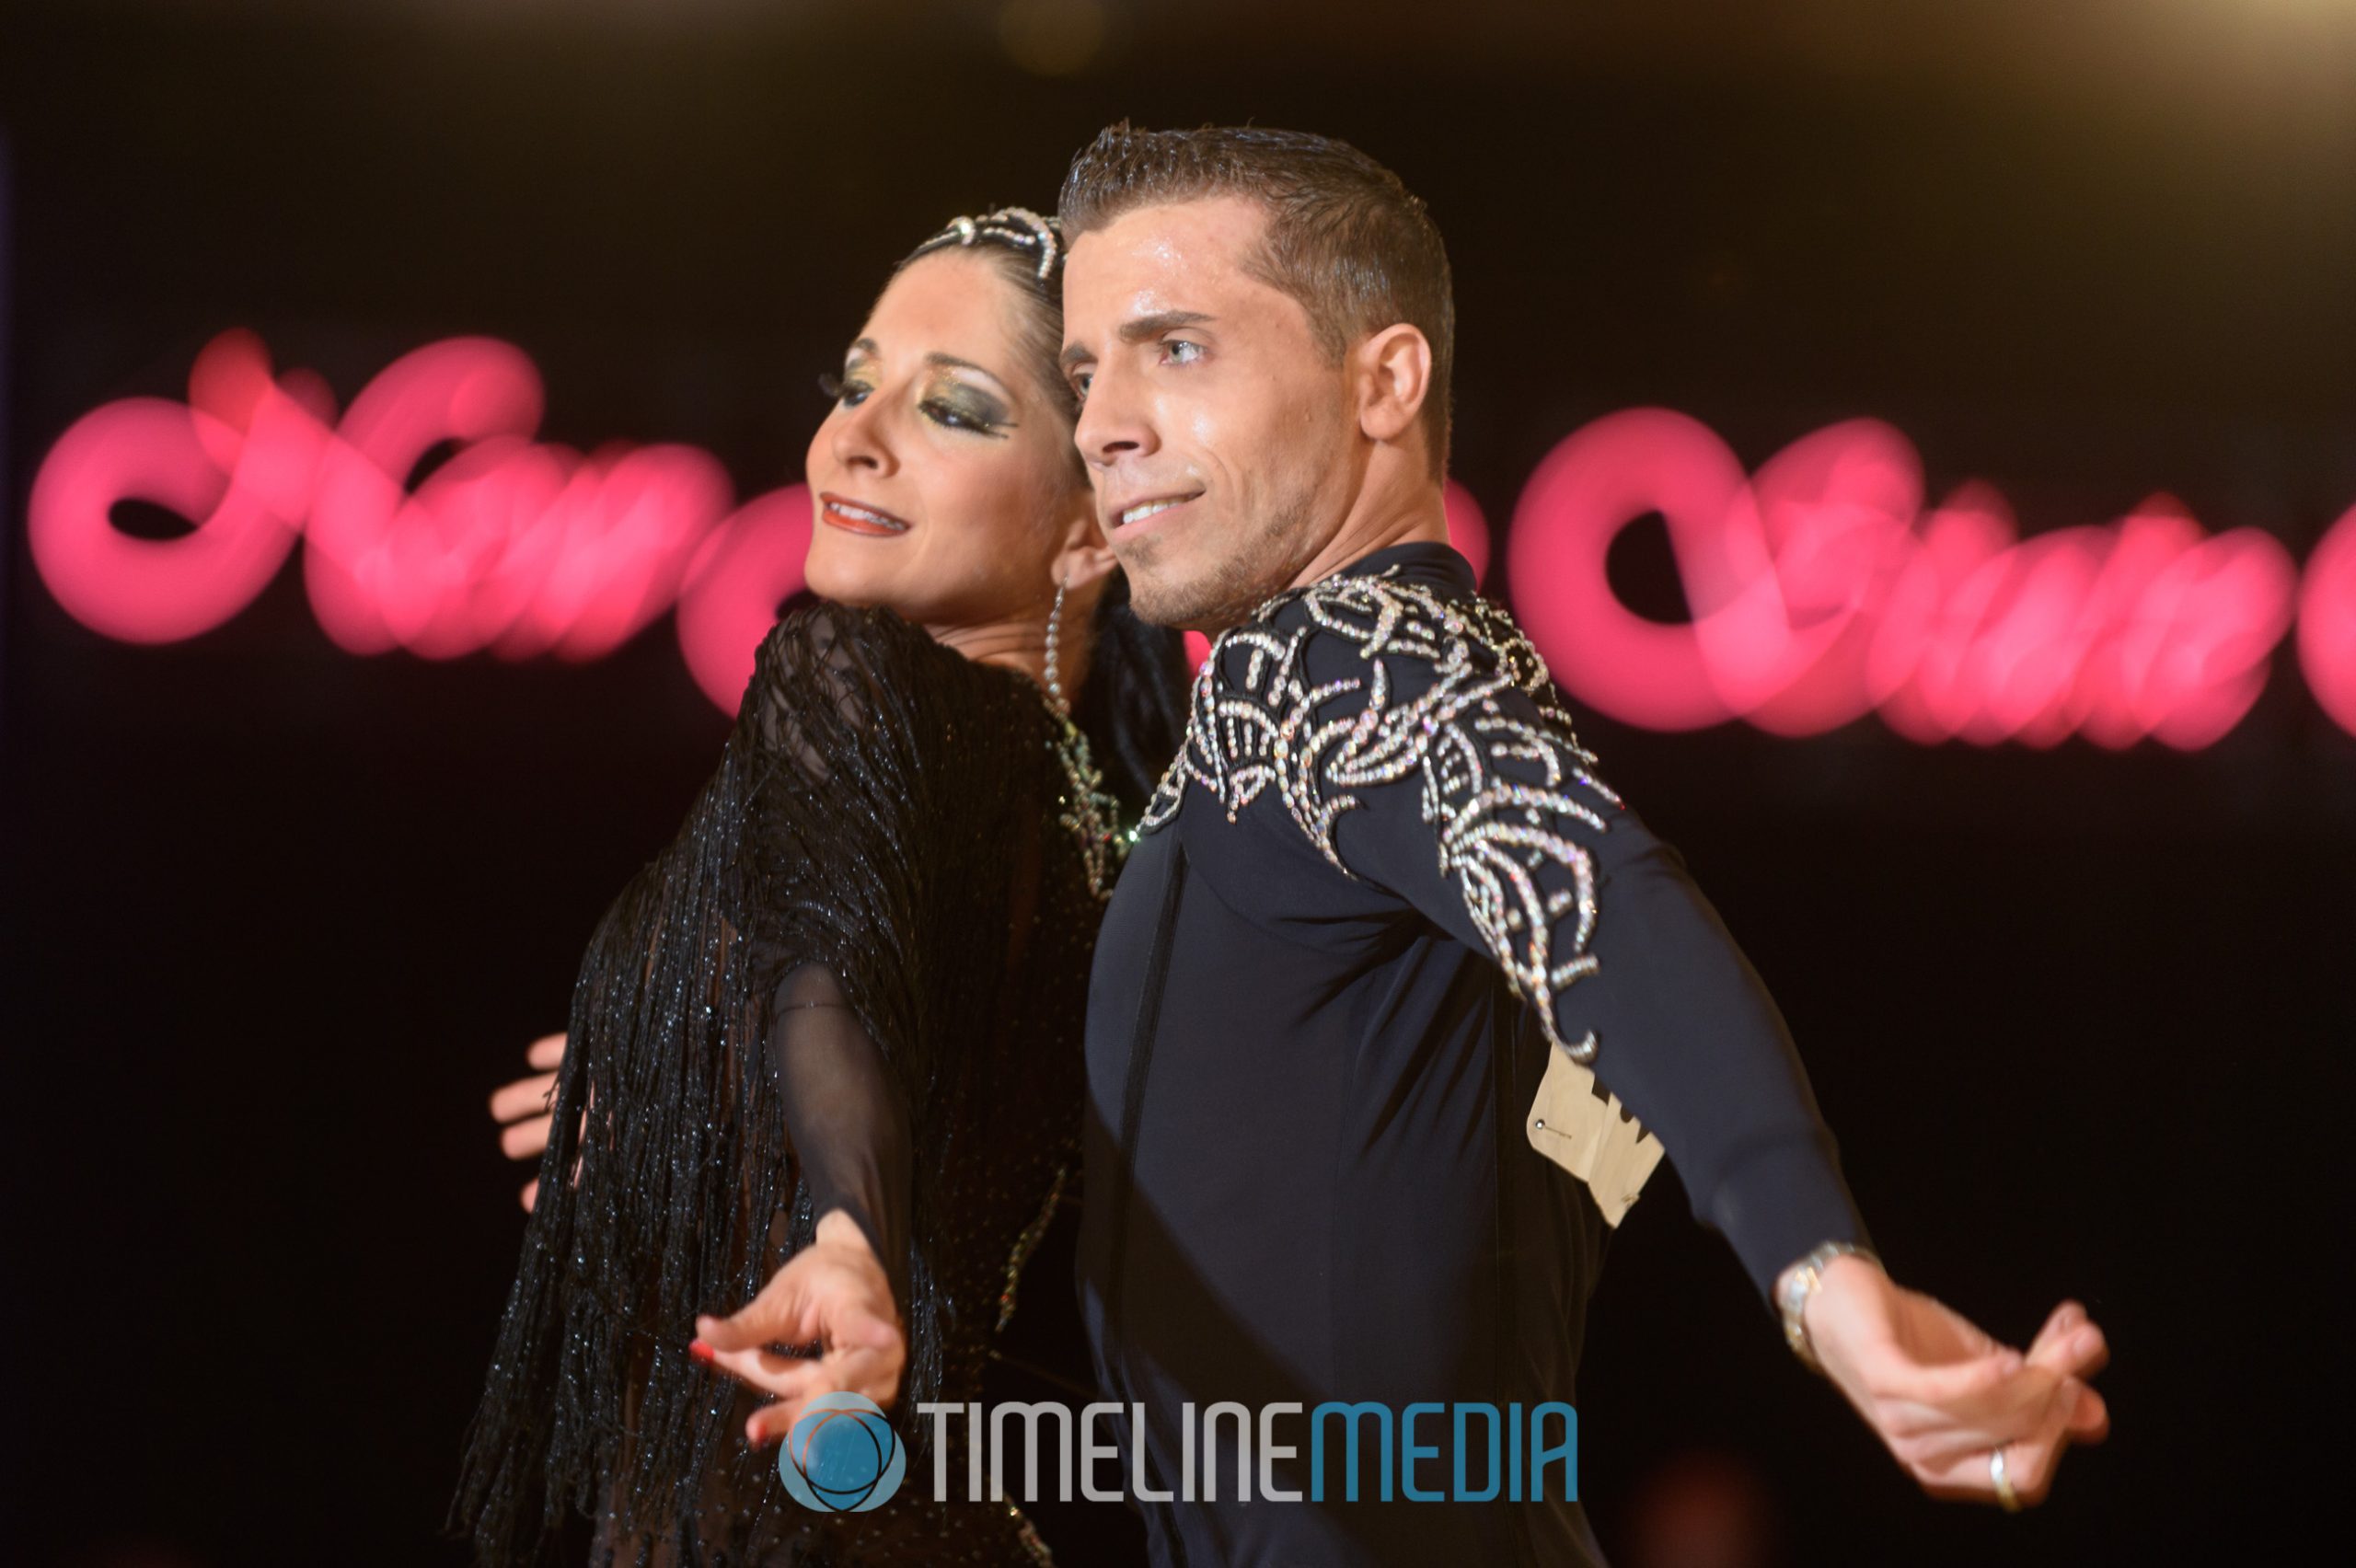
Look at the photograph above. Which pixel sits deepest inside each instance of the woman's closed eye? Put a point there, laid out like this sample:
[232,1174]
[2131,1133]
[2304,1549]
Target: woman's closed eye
[847,390]
[959,406]
[954,406]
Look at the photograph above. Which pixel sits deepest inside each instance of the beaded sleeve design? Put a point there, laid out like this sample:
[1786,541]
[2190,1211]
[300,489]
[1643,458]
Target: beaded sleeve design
[1502,792]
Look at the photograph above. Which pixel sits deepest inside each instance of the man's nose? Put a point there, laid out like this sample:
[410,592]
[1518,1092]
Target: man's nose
[1114,423]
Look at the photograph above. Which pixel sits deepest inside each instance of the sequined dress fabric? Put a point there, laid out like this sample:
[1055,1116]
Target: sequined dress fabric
[902,825]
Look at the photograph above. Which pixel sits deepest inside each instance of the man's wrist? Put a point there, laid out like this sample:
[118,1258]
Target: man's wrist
[1797,1284]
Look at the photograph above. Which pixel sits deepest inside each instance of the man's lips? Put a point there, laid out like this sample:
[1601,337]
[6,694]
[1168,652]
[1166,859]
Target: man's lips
[857,517]
[1132,515]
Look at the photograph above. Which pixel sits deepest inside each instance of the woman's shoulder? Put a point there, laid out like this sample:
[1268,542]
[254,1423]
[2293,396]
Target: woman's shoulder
[849,652]
[844,669]
[820,638]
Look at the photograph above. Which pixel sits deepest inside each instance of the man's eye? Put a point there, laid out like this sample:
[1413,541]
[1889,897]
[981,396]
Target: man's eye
[1080,385]
[1180,350]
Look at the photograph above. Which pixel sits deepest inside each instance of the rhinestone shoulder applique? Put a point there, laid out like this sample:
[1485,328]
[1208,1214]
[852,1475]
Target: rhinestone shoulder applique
[1269,728]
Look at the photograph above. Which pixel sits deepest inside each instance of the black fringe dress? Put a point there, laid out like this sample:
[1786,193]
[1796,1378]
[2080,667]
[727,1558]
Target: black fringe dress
[916,843]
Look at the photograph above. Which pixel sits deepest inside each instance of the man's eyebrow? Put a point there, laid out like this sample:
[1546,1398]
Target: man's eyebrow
[1139,330]
[1160,322]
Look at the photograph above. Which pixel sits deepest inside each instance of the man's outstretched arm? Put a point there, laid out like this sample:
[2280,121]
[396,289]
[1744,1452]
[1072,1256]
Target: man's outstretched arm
[1427,768]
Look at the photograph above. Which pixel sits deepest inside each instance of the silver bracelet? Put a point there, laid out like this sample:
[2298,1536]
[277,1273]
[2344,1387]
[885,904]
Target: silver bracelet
[1800,1282]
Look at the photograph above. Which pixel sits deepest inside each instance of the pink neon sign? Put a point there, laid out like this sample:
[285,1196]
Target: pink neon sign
[1820,588]
[1820,591]
[516,545]
[2327,622]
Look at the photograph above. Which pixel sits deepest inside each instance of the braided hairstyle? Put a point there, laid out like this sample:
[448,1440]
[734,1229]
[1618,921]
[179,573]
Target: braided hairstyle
[1133,706]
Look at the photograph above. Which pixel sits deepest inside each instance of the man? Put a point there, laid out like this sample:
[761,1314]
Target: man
[1382,920]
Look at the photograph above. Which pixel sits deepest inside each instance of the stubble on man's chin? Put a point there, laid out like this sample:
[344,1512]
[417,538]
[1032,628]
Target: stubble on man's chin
[1224,596]
[1195,606]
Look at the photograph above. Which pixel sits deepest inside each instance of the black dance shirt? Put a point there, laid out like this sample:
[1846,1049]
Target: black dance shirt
[1380,897]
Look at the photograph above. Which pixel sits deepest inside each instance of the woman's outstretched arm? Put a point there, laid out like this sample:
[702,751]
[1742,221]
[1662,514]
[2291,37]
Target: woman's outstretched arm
[849,1121]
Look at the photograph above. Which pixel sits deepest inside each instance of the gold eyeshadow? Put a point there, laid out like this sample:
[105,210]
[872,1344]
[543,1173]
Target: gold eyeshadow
[967,405]
[947,400]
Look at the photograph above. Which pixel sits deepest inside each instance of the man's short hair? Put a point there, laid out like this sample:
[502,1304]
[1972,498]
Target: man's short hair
[1344,237]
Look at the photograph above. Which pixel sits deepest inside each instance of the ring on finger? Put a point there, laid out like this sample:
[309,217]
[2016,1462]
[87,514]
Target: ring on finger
[2006,1498]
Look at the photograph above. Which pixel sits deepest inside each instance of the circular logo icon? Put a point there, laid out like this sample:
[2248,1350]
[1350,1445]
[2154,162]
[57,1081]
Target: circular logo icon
[841,1456]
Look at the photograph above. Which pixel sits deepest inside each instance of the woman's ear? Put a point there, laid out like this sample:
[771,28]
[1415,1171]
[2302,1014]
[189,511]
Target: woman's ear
[1085,559]
[1395,377]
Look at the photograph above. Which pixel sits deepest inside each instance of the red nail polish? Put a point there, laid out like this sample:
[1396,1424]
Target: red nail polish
[700,1351]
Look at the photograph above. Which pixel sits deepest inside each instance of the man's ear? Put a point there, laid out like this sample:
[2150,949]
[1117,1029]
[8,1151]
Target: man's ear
[1394,378]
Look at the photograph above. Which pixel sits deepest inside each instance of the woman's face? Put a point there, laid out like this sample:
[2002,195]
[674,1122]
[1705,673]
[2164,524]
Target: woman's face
[944,478]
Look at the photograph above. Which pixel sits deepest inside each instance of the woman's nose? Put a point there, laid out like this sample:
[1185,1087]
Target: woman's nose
[861,440]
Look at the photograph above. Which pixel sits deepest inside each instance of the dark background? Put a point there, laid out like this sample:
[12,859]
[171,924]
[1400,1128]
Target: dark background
[279,917]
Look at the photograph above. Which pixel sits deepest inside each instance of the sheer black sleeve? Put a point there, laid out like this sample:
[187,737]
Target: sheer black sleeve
[1417,742]
[845,782]
[705,1122]
[847,1117]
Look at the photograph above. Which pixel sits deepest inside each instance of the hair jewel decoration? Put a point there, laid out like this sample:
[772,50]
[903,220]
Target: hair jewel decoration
[1017,228]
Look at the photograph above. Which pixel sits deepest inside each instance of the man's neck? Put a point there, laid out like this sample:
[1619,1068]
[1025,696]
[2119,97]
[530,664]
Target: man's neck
[1419,516]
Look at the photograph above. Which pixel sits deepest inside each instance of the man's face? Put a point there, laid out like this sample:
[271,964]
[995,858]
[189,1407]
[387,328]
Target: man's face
[1223,448]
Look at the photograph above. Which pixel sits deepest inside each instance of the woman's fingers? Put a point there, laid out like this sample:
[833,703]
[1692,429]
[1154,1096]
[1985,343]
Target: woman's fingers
[788,1376]
[826,1293]
[874,1373]
[850,1365]
[773,1421]
[546,1052]
[871,1372]
[782,1314]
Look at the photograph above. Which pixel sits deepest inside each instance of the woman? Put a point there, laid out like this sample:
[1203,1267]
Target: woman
[825,1048]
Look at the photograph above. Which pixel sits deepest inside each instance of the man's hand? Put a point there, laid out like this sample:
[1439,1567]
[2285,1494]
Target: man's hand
[832,1291]
[1941,1394]
[522,1107]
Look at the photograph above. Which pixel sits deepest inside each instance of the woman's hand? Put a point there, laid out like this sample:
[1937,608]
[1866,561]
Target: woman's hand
[522,1107]
[832,1291]
[1942,1395]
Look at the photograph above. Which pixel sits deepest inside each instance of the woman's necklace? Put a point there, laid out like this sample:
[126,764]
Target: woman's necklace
[1091,815]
